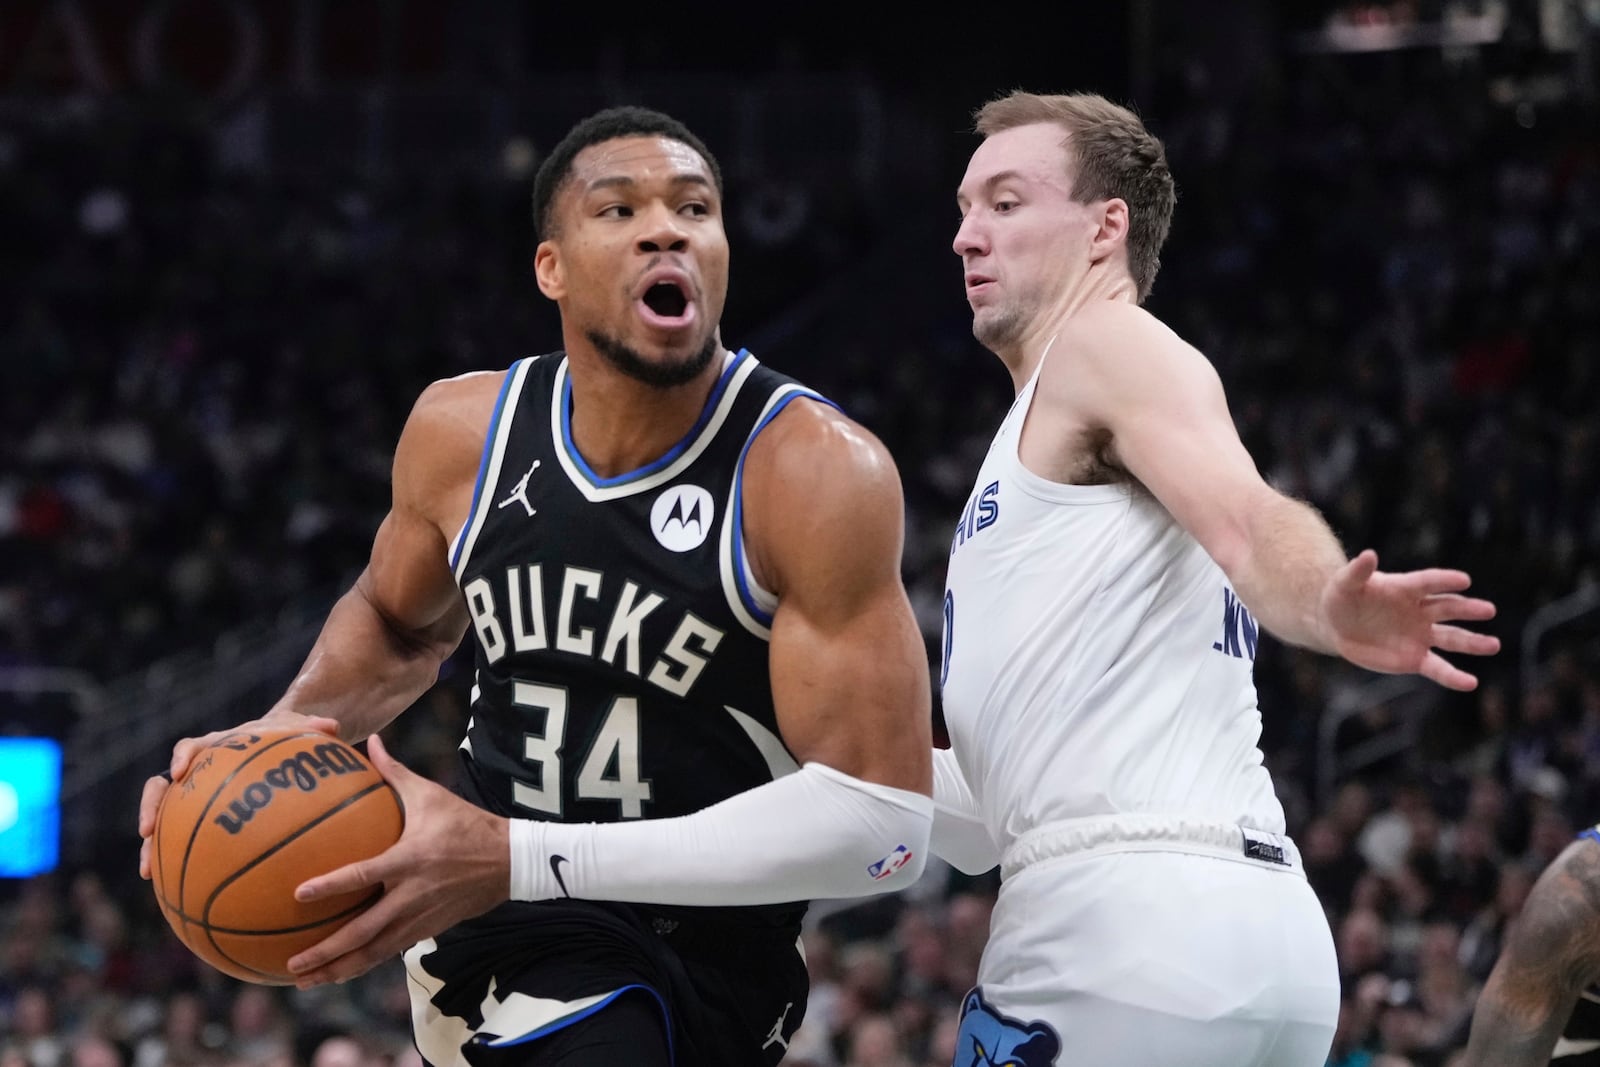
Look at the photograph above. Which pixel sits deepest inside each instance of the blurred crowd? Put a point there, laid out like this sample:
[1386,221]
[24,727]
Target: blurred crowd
[1392,264]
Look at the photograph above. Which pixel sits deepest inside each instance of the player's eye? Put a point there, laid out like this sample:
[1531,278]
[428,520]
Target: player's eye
[1005,207]
[696,208]
[616,211]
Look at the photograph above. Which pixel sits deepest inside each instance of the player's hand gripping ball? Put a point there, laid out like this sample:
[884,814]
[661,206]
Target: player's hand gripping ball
[260,812]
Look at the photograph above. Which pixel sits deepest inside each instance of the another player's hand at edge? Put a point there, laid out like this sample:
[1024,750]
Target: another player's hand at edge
[1398,623]
[452,862]
[155,787]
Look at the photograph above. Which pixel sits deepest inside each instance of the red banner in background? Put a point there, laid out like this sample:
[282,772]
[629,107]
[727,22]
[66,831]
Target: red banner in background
[217,49]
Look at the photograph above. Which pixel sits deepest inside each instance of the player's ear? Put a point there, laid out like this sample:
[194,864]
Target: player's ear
[1113,229]
[547,270]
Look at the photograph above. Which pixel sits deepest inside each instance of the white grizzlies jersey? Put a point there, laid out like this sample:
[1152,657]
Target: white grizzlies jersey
[1096,661]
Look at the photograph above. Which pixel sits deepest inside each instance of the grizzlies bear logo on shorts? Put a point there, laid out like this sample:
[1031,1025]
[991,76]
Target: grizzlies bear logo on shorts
[989,1039]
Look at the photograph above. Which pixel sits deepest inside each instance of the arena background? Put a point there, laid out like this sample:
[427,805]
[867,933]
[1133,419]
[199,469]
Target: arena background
[238,237]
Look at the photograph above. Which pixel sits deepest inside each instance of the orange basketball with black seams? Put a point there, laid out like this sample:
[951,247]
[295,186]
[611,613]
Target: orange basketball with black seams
[260,812]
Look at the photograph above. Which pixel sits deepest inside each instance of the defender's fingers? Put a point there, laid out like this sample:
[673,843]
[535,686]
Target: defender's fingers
[1356,573]
[1434,581]
[1437,669]
[1444,606]
[1456,639]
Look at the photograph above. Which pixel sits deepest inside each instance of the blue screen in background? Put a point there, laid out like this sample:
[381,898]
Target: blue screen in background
[30,810]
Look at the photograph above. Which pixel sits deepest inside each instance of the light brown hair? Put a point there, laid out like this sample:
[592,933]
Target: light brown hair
[1112,155]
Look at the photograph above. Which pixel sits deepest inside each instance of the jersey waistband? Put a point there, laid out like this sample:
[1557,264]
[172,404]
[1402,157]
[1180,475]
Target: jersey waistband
[1151,833]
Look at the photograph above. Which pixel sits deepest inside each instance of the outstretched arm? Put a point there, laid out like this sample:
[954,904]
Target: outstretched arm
[1551,954]
[1116,368]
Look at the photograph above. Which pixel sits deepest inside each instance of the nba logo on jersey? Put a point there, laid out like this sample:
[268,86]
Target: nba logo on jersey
[681,517]
[890,863]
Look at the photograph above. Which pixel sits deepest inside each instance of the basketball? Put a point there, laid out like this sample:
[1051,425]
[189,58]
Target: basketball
[260,812]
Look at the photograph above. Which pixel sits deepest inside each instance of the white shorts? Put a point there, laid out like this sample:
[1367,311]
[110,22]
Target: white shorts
[1150,942]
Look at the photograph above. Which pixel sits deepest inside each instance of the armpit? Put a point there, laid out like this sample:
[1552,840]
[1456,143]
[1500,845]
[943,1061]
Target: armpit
[1094,462]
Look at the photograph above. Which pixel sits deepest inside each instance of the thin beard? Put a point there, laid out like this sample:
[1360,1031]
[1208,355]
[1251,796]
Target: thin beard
[999,331]
[658,375]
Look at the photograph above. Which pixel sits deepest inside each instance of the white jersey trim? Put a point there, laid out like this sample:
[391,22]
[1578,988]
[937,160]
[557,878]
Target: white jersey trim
[1145,832]
[1038,486]
[738,370]
[498,434]
[738,579]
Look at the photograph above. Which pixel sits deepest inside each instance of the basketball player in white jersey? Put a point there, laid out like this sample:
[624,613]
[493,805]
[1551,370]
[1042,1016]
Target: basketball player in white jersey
[1101,612]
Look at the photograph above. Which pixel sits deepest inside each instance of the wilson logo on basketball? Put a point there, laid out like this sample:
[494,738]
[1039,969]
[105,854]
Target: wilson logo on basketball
[302,772]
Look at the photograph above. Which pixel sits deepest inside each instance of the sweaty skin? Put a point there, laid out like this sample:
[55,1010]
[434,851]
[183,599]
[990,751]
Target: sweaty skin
[823,523]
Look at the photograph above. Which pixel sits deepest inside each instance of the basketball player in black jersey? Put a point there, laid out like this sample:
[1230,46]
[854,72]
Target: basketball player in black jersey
[1541,1004]
[701,697]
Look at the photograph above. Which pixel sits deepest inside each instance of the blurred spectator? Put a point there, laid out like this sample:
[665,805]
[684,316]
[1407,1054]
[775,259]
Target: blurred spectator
[875,1042]
[1392,263]
[260,1031]
[33,1028]
[1362,945]
[178,1042]
[1332,866]
[92,1050]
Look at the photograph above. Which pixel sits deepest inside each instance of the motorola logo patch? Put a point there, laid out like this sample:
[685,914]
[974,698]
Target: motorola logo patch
[681,517]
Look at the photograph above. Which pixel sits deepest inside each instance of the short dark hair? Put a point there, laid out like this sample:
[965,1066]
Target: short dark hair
[609,125]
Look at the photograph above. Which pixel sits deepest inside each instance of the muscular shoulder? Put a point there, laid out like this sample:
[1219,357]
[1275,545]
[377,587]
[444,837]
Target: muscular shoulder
[815,477]
[1112,369]
[1574,878]
[1559,924]
[442,442]
[463,404]
[815,451]
[1118,346]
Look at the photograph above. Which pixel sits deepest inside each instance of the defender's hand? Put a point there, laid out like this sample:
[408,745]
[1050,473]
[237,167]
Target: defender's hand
[1393,623]
[155,787]
[452,862]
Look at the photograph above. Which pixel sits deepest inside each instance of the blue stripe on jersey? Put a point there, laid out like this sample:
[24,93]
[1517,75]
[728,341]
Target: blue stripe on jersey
[672,453]
[750,604]
[483,462]
[1592,833]
[577,1017]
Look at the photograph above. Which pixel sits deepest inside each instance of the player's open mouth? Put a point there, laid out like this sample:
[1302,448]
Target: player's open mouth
[666,305]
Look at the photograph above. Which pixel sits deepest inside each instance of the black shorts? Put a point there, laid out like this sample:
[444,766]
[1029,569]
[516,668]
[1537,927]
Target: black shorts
[731,992]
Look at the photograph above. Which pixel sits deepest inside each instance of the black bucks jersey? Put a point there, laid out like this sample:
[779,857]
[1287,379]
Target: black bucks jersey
[621,636]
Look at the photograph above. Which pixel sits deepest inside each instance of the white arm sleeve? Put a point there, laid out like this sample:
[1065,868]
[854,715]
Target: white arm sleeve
[814,834]
[960,834]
